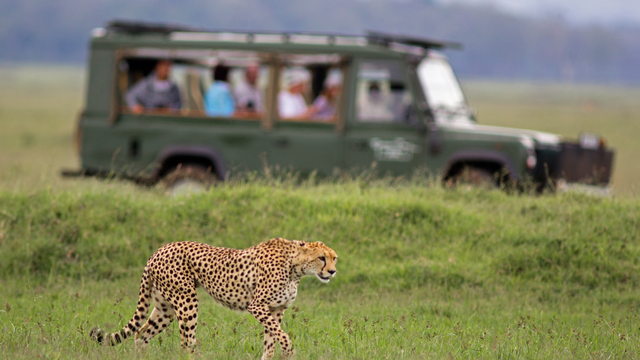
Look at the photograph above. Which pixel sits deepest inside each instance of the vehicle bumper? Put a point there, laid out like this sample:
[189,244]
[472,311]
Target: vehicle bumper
[571,163]
[585,166]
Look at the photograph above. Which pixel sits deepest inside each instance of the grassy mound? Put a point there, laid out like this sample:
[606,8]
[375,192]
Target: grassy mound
[387,236]
[424,272]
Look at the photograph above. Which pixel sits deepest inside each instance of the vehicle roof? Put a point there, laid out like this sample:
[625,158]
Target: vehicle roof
[126,34]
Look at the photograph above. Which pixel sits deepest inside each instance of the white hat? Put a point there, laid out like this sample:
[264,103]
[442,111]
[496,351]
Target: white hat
[296,76]
[333,79]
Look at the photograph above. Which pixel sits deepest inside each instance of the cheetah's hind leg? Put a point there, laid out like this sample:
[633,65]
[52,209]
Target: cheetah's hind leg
[161,316]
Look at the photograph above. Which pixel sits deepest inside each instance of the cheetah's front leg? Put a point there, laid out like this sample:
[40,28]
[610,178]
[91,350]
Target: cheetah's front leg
[278,314]
[270,319]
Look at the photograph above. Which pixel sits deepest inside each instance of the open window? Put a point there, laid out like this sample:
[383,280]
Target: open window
[201,83]
[310,88]
[382,93]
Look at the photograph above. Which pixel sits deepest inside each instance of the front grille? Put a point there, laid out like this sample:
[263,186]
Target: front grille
[589,166]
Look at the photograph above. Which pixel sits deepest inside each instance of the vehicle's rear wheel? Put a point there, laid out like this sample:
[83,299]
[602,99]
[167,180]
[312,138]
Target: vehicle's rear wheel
[189,178]
[474,176]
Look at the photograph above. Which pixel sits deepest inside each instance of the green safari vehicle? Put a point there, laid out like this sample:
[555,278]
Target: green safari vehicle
[174,103]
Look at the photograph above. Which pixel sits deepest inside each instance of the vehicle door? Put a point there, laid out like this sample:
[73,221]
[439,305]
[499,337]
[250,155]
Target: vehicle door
[304,136]
[382,129]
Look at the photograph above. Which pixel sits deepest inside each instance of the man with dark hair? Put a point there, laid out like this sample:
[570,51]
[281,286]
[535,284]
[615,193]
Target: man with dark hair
[155,91]
[218,100]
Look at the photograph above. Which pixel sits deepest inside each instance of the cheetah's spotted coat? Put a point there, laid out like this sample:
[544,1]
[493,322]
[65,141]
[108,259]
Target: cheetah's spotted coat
[262,280]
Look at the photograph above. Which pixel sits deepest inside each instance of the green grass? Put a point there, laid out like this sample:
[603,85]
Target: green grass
[38,108]
[424,272]
[613,112]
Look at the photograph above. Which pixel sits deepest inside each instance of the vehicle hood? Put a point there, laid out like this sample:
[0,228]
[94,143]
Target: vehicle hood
[541,138]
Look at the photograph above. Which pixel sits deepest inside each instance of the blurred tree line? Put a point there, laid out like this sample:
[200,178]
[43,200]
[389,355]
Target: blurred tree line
[497,44]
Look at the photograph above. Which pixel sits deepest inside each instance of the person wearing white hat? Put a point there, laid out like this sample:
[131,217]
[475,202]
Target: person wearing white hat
[291,103]
[324,107]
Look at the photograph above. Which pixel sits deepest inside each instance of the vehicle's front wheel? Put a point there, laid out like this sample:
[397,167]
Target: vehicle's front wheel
[189,178]
[473,176]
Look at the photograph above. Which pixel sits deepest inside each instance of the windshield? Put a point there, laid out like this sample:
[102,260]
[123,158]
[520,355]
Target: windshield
[442,90]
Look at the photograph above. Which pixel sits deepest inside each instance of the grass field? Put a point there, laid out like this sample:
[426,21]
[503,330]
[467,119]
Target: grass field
[424,272]
[567,110]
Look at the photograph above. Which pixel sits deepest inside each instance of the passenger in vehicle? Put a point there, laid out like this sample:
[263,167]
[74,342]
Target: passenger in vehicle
[291,103]
[375,107]
[248,95]
[155,91]
[324,107]
[218,100]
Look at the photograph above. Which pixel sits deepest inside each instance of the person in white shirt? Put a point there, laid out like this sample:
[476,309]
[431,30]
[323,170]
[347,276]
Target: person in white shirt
[375,106]
[325,105]
[247,94]
[291,103]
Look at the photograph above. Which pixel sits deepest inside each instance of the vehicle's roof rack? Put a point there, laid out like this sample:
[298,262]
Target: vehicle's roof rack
[371,37]
[143,27]
[385,39]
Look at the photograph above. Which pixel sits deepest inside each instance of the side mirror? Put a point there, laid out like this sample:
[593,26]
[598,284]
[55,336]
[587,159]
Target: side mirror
[410,117]
[473,114]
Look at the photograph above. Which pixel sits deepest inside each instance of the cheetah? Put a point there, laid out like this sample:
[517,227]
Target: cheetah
[262,280]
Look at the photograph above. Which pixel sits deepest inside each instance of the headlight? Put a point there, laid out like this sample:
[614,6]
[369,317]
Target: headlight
[531,161]
[529,144]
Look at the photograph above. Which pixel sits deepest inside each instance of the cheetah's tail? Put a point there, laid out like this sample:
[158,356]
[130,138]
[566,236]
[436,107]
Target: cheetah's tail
[134,324]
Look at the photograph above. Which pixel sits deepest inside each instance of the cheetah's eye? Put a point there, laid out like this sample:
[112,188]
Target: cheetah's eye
[321,258]
[335,259]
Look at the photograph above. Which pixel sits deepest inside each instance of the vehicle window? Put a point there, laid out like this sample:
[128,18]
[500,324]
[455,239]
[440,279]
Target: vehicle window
[439,83]
[382,94]
[309,88]
[222,84]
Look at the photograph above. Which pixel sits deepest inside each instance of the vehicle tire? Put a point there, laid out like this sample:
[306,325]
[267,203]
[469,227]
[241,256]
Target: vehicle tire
[475,177]
[189,178]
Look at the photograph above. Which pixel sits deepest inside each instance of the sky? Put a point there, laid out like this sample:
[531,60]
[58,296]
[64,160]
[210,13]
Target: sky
[606,12]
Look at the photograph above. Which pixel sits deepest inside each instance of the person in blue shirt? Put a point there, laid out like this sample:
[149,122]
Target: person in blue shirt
[218,100]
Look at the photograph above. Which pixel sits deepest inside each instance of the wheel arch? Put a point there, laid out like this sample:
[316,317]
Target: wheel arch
[172,156]
[489,160]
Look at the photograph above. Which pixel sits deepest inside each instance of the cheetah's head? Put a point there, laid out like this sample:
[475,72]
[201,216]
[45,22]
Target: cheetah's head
[317,259]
